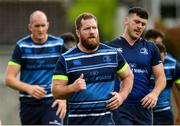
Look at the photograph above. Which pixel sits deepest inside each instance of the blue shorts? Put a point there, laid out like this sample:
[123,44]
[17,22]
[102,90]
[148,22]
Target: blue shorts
[92,120]
[132,115]
[163,118]
[38,112]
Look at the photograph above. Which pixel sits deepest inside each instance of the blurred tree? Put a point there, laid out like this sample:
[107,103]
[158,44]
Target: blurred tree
[104,10]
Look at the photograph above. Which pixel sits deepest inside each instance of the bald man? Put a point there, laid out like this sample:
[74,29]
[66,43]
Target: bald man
[34,57]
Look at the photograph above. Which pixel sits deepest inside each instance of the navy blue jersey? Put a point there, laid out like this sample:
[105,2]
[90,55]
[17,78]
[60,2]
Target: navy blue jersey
[141,57]
[37,61]
[172,72]
[99,69]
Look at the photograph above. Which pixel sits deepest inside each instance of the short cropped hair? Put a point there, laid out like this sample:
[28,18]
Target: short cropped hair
[68,36]
[161,47]
[141,12]
[84,16]
[153,34]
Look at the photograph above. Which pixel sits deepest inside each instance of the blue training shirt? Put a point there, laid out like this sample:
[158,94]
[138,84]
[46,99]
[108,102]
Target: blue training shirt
[37,61]
[172,72]
[99,69]
[140,57]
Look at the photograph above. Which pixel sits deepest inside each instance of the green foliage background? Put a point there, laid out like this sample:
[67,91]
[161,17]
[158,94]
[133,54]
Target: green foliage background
[104,10]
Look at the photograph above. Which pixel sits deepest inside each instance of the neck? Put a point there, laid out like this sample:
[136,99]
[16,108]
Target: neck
[129,39]
[83,49]
[39,41]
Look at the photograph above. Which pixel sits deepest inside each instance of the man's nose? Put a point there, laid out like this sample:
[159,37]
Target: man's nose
[92,30]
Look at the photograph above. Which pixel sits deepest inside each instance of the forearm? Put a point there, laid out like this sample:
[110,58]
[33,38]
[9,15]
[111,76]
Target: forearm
[126,83]
[17,84]
[126,87]
[160,84]
[60,91]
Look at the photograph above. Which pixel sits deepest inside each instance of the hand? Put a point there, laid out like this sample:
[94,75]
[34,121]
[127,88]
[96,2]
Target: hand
[62,108]
[36,91]
[79,84]
[115,101]
[149,101]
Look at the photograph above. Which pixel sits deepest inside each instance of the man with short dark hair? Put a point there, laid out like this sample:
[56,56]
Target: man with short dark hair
[144,59]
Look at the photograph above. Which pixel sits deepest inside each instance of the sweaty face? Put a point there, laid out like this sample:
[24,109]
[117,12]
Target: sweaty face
[135,26]
[89,34]
[39,27]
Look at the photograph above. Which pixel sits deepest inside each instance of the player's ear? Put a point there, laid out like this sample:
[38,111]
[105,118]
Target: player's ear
[29,27]
[47,25]
[77,33]
[126,20]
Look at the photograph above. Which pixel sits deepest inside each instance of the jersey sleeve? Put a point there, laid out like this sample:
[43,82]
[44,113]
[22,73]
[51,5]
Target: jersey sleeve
[177,73]
[156,59]
[122,64]
[60,70]
[16,56]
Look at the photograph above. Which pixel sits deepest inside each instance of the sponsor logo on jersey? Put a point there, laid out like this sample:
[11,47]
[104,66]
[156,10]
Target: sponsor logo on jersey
[94,73]
[120,50]
[144,51]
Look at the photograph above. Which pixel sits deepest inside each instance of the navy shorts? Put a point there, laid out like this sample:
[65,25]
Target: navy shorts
[38,112]
[132,115]
[92,120]
[163,118]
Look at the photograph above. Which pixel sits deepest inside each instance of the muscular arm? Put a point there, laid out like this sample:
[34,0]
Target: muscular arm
[150,99]
[127,79]
[12,81]
[61,90]
[160,79]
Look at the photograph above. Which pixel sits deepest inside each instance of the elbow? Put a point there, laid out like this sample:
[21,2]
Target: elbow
[57,94]
[7,81]
[165,82]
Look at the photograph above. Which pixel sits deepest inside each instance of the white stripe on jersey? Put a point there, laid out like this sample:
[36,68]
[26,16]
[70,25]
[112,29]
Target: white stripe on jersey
[40,56]
[92,55]
[159,110]
[97,67]
[41,46]
[169,67]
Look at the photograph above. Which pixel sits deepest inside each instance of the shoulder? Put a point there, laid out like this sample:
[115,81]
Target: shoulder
[106,47]
[55,39]
[114,42]
[71,52]
[149,45]
[25,41]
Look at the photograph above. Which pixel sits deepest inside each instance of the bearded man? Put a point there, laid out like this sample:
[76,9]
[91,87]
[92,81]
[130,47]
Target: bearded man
[85,75]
